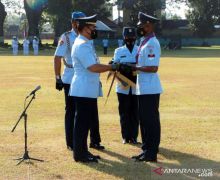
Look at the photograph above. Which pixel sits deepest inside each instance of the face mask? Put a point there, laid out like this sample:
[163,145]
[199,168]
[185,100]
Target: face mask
[140,31]
[94,34]
[129,41]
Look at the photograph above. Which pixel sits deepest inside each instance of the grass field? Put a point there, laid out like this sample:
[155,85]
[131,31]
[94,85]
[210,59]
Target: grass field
[190,120]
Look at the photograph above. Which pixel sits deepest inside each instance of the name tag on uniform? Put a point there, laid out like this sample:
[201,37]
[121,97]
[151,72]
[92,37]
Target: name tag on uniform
[151,55]
[122,56]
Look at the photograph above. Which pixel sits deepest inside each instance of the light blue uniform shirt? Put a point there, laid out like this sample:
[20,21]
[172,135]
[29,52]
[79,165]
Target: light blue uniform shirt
[149,83]
[64,49]
[84,83]
[105,42]
[123,55]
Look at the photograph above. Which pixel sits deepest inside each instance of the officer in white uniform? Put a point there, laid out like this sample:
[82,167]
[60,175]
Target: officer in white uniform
[120,42]
[105,46]
[85,86]
[35,45]
[63,51]
[14,45]
[26,43]
[148,87]
[127,98]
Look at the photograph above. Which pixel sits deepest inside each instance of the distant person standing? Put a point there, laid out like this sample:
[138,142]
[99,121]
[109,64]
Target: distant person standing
[14,45]
[120,42]
[105,46]
[26,43]
[35,45]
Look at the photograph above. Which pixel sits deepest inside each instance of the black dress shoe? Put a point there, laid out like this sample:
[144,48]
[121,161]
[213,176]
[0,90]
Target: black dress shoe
[96,146]
[86,159]
[147,158]
[138,156]
[133,141]
[69,148]
[125,141]
[95,156]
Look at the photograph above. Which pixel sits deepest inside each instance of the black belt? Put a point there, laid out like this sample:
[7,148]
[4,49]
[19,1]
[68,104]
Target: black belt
[66,64]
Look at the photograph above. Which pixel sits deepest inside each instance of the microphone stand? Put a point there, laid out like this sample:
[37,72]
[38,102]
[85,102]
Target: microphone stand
[24,115]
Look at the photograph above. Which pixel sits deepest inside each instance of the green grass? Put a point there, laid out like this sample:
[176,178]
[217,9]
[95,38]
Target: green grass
[190,120]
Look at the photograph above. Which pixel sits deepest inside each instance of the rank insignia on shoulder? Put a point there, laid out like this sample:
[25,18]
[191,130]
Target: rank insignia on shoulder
[68,32]
[61,42]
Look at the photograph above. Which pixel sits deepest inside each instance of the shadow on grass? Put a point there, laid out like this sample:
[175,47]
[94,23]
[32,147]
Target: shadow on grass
[189,161]
[124,167]
[127,168]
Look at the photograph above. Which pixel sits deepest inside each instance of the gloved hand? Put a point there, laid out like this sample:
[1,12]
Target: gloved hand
[115,66]
[59,84]
[124,68]
[111,62]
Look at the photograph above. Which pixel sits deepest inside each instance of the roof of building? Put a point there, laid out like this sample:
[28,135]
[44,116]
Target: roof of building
[109,22]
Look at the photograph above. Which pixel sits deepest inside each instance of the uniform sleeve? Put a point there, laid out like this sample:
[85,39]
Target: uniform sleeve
[86,56]
[116,56]
[152,53]
[62,47]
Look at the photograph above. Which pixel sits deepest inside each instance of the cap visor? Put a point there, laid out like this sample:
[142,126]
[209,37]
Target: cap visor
[100,26]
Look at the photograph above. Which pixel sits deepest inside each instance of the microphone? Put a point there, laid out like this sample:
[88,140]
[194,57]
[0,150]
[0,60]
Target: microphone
[33,92]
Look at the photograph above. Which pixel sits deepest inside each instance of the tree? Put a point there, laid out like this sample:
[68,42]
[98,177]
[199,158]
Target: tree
[99,7]
[203,15]
[33,11]
[59,12]
[132,7]
[150,7]
[2,19]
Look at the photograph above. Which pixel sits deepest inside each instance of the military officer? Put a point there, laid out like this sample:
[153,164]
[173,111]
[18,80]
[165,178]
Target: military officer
[14,45]
[105,46]
[64,51]
[26,46]
[126,97]
[120,42]
[36,45]
[85,86]
[148,87]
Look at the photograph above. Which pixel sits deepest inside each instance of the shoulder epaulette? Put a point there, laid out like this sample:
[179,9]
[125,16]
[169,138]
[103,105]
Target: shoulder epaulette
[68,32]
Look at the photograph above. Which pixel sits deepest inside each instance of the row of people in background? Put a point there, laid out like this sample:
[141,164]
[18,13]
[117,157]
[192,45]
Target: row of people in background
[82,86]
[35,44]
[26,44]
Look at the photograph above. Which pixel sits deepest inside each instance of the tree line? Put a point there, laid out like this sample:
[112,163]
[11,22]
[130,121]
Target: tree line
[58,12]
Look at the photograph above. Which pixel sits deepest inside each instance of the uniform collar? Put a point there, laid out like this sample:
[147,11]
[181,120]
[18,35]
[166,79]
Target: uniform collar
[74,32]
[150,35]
[83,37]
[133,50]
